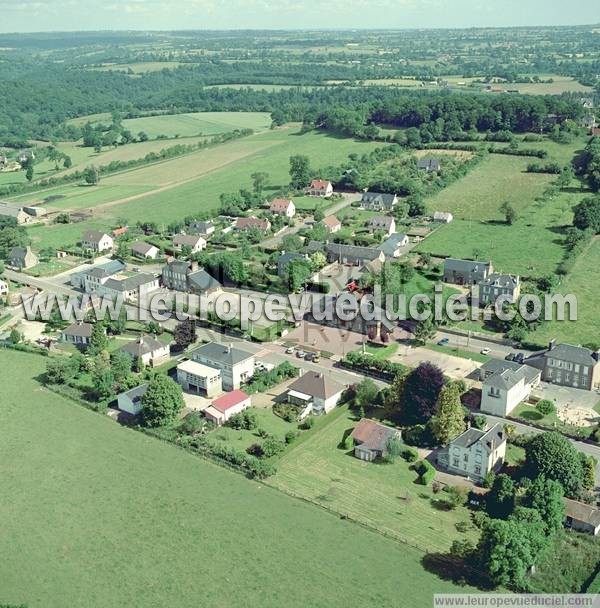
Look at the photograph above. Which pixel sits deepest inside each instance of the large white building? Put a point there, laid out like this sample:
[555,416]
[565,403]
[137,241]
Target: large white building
[236,365]
[195,377]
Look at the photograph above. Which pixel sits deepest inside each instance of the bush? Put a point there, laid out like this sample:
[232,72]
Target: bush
[291,436]
[425,471]
[348,442]
[545,407]
[409,454]
[306,424]
[272,446]
[245,420]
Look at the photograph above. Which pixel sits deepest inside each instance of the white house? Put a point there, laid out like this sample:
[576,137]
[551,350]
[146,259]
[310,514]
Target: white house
[148,349]
[79,334]
[316,389]
[226,406]
[128,285]
[236,365]
[443,217]
[383,222]
[283,207]
[96,240]
[143,250]
[332,224]
[505,384]
[320,187]
[131,401]
[195,377]
[194,241]
[475,453]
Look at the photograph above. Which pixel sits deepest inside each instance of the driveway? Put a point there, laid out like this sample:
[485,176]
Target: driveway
[564,396]
[454,367]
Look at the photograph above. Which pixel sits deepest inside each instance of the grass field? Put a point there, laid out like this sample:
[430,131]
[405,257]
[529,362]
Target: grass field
[582,283]
[140,68]
[98,515]
[372,493]
[178,187]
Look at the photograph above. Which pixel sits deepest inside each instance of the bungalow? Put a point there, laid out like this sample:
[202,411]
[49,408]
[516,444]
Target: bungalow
[143,250]
[444,217]
[475,453]
[79,334]
[96,240]
[283,207]
[22,258]
[18,213]
[371,439]
[236,365]
[383,222]
[352,254]
[430,165]
[201,227]
[320,187]
[131,401]
[505,384]
[507,286]
[128,285]
[196,377]
[247,223]
[376,201]
[582,517]
[393,245]
[332,224]
[226,406]
[148,349]
[466,272]
[194,241]
[317,390]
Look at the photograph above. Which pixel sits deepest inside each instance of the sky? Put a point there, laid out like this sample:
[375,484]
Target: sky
[75,15]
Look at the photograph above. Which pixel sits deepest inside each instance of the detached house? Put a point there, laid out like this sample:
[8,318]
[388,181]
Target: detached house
[236,365]
[376,201]
[201,227]
[187,276]
[143,250]
[371,439]
[194,241]
[582,517]
[283,207]
[496,285]
[317,391]
[247,223]
[466,272]
[431,165]
[443,217]
[79,334]
[226,406]
[148,349]
[475,453]
[505,384]
[383,222]
[332,224]
[392,246]
[568,365]
[131,401]
[352,254]
[22,258]
[96,240]
[320,187]
[18,213]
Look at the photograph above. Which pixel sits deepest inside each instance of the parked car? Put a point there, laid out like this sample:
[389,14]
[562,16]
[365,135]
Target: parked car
[510,357]
[316,358]
[289,350]
[485,351]
[519,358]
[443,341]
[309,357]
[300,354]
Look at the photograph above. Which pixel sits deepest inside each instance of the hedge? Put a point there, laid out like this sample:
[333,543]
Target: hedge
[425,471]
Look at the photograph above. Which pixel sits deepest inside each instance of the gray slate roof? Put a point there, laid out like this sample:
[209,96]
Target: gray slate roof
[317,384]
[378,198]
[464,265]
[497,279]
[495,367]
[79,329]
[142,346]
[93,236]
[142,248]
[203,281]
[340,250]
[493,437]
[129,283]
[431,164]
[392,243]
[221,353]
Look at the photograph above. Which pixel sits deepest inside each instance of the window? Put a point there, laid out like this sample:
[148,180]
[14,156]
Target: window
[455,462]
[477,470]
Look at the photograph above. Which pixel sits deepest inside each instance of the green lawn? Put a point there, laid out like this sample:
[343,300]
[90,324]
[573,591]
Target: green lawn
[582,282]
[95,514]
[375,494]
[381,352]
[528,413]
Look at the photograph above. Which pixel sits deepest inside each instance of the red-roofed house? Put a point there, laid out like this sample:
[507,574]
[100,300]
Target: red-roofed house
[371,439]
[227,405]
[332,224]
[320,187]
[120,231]
[246,223]
[283,207]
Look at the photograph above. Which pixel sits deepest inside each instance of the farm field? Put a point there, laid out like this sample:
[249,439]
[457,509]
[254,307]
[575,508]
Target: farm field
[179,187]
[561,84]
[97,514]
[532,246]
[582,282]
[496,179]
[375,494]
[139,68]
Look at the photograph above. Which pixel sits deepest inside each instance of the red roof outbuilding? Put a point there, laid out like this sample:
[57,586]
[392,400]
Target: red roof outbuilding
[229,400]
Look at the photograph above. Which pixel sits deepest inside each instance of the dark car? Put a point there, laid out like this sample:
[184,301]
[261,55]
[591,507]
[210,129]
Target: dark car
[510,357]
[309,357]
[519,358]
[443,341]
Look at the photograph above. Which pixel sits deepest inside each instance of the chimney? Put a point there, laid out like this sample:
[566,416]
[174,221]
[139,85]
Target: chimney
[596,355]
[194,266]
[552,344]
[228,348]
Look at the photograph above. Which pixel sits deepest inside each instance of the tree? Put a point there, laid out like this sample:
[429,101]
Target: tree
[553,456]
[162,402]
[509,212]
[67,162]
[500,501]
[185,333]
[318,214]
[120,364]
[291,242]
[546,497]
[317,261]
[424,330]
[365,393]
[449,421]
[587,214]
[123,250]
[29,173]
[272,446]
[298,273]
[98,340]
[421,393]
[15,337]
[299,171]
[60,371]
[91,175]
[545,407]
[259,180]
[103,379]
